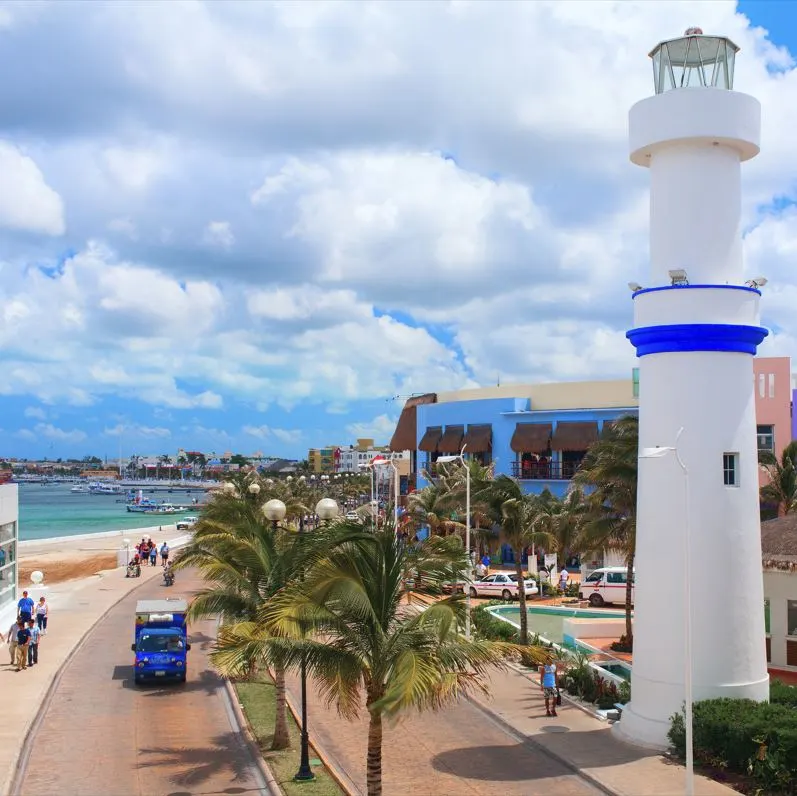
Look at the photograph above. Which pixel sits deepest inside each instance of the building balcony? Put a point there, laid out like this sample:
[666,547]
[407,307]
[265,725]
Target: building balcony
[544,471]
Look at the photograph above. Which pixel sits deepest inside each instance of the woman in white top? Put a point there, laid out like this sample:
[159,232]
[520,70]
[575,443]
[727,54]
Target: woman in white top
[42,611]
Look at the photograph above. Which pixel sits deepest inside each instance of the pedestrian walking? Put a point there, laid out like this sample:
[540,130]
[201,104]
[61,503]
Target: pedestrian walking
[33,644]
[42,612]
[153,554]
[23,638]
[548,686]
[564,576]
[25,608]
[164,554]
[486,563]
[11,640]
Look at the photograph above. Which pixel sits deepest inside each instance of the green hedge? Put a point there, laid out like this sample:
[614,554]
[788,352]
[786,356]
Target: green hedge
[782,694]
[489,627]
[754,738]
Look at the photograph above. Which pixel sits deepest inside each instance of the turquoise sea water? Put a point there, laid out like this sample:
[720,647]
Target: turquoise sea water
[53,510]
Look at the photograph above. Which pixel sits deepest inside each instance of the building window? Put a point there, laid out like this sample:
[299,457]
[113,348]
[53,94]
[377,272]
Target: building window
[791,617]
[771,385]
[762,385]
[635,377]
[766,438]
[730,469]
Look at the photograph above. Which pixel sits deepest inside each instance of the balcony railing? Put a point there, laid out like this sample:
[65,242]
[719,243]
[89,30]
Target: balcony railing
[544,471]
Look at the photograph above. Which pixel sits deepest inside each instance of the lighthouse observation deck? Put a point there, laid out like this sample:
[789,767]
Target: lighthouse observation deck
[693,61]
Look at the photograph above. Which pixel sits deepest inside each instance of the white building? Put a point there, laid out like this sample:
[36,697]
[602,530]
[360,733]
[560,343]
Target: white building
[696,330]
[356,458]
[779,551]
[9,534]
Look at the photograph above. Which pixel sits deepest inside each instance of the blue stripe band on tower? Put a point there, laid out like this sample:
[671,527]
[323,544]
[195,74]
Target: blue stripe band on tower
[696,337]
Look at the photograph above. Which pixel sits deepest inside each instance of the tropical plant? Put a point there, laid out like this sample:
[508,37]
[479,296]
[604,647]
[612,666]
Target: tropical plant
[245,560]
[432,506]
[781,490]
[346,618]
[520,517]
[609,520]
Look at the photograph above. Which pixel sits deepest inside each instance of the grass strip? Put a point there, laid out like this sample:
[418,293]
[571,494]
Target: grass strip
[258,698]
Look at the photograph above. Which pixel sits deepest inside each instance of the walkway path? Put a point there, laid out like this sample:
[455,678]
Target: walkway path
[458,750]
[132,740]
[503,744]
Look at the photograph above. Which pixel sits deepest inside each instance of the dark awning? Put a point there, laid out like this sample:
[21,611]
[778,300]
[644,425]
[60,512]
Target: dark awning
[404,436]
[531,437]
[451,441]
[430,439]
[478,439]
[574,436]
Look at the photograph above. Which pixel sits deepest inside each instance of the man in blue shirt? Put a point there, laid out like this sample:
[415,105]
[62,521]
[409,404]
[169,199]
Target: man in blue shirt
[25,608]
[33,644]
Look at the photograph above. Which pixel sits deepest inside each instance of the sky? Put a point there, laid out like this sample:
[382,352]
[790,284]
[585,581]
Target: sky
[257,227]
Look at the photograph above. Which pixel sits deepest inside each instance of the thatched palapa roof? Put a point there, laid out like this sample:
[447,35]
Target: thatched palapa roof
[779,543]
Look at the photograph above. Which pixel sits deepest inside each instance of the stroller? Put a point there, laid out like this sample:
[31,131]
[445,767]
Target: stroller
[134,568]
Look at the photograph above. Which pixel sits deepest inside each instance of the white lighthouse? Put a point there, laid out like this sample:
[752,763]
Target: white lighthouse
[696,329]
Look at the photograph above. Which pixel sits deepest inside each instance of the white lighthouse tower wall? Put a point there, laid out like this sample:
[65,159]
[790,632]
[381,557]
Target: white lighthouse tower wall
[696,342]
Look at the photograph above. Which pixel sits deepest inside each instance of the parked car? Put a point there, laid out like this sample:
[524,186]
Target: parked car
[502,584]
[606,585]
[186,523]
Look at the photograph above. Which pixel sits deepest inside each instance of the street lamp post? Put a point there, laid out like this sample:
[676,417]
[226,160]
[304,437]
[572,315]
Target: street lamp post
[657,453]
[325,509]
[461,458]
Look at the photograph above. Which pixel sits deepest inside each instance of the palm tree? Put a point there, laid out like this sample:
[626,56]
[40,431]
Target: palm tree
[782,487]
[432,506]
[365,642]
[520,518]
[563,519]
[610,467]
[245,560]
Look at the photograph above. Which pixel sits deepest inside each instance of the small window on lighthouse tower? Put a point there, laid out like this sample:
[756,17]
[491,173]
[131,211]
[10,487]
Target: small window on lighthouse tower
[730,469]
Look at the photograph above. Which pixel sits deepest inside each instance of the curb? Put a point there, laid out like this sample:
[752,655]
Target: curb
[245,730]
[22,758]
[529,739]
[342,780]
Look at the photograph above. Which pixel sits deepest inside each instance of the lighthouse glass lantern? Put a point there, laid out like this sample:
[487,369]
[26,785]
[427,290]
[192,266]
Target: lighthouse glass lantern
[694,60]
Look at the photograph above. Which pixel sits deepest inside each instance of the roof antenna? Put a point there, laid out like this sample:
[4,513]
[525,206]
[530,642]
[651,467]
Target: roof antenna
[499,380]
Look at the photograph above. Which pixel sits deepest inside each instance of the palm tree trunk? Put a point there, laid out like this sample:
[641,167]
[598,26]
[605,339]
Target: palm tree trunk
[629,585]
[374,764]
[281,739]
[521,598]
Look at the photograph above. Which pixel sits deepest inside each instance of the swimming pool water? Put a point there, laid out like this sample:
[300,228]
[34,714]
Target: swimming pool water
[547,620]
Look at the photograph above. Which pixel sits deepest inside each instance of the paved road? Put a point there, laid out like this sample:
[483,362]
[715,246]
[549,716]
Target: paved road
[103,735]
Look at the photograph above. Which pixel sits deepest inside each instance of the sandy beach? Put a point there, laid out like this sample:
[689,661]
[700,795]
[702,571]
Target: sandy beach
[71,557]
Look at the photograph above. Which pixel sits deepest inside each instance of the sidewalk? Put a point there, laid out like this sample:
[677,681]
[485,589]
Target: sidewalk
[505,741]
[582,741]
[75,607]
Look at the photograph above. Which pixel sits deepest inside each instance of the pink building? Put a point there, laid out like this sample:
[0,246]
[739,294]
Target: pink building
[773,397]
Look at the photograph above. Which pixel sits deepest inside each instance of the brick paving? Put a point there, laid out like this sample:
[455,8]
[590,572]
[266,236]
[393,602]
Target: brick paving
[457,750]
[103,735]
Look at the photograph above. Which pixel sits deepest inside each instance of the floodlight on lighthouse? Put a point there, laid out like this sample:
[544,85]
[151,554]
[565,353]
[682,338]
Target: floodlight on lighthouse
[759,281]
[634,287]
[694,60]
[678,277]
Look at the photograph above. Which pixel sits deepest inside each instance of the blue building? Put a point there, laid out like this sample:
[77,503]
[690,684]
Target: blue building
[536,433]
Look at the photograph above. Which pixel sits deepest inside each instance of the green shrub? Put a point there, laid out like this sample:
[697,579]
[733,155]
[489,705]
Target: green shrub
[782,694]
[754,738]
[489,627]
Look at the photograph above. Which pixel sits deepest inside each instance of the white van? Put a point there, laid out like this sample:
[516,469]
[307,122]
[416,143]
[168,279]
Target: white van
[606,585]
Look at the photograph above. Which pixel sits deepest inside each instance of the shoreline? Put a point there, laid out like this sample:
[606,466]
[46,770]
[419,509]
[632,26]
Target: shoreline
[28,544]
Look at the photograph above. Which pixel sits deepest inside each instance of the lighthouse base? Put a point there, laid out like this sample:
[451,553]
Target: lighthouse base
[641,730]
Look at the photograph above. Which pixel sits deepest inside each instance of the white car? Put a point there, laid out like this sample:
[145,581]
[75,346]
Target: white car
[503,585]
[607,585]
[186,523]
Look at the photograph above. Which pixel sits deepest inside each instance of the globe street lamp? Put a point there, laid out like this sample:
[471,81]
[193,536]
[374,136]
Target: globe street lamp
[254,489]
[326,509]
[275,511]
[229,488]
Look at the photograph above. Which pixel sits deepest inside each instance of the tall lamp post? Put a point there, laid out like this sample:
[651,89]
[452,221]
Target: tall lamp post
[326,509]
[658,453]
[461,458]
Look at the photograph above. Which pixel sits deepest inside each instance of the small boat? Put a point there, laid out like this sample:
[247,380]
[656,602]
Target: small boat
[79,488]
